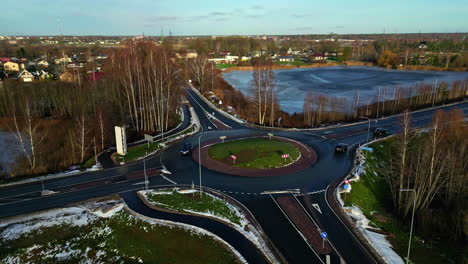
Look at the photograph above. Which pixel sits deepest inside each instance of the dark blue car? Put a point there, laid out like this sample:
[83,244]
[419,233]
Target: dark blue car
[186,149]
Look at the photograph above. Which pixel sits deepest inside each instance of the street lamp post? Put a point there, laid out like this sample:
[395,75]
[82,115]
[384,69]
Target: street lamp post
[368,127]
[144,169]
[199,161]
[412,220]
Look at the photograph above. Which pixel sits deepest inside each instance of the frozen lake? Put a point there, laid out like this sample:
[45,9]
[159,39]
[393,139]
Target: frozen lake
[341,81]
[9,151]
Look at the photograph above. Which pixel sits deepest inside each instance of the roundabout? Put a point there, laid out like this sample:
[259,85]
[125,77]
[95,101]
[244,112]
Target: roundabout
[256,156]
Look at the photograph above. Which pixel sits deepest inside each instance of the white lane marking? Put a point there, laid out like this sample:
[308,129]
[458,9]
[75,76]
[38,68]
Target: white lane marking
[317,207]
[303,237]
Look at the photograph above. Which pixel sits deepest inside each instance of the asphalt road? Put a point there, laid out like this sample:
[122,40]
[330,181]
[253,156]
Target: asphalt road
[314,181]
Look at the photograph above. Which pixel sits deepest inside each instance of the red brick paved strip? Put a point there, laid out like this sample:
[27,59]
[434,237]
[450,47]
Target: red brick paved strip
[219,125]
[307,159]
[304,224]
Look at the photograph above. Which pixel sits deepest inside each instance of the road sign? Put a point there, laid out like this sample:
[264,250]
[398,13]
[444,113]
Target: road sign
[270,135]
[368,149]
[222,138]
[346,186]
[233,157]
[324,235]
[346,181]
[285,156]
[149,138]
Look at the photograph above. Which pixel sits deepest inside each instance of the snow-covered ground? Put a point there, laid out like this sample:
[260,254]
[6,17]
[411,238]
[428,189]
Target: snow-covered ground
[244,226]
[378,241]
[80,216]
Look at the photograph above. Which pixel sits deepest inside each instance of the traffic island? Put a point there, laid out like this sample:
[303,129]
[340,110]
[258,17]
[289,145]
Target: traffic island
[256,156]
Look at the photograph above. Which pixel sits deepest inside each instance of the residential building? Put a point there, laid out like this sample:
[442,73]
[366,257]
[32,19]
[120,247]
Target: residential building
[286,58]
[26,76]
[69,76]
[318,57]
[11,66]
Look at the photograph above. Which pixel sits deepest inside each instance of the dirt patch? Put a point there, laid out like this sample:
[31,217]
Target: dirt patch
[381,218]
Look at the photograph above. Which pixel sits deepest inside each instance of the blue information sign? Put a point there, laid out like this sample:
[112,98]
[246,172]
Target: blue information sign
[346,187]
[324,235]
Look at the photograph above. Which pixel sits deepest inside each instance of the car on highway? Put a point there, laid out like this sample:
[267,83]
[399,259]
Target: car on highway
[341,147]
[380,132]
[186,149]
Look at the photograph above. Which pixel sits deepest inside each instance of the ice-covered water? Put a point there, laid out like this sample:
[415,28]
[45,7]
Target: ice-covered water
[9,151]
[341,81]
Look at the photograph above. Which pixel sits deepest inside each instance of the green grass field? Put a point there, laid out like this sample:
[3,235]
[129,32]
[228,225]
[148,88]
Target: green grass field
[119,239]
[194,202]
[255,153]
[225,65]
[137,152]
[372,195]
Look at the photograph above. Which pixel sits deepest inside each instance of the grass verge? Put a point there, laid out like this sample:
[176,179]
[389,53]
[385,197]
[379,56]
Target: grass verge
[119,239]
[255,153]
[372,195]
[225,65]
[137,152]
[194,202]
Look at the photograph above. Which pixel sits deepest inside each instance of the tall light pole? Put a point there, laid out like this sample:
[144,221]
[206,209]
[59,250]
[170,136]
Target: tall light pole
[199,161]
[412,220]
[368,127]
[144,169]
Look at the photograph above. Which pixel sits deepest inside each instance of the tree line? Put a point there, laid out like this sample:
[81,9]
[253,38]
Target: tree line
[58,124]
[433,163]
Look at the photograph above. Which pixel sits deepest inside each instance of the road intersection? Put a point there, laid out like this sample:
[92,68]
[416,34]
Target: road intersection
[259,194]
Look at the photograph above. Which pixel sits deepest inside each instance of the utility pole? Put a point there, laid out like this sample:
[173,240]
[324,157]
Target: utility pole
[368,127]
[199,162]
[412,220]
[144,169]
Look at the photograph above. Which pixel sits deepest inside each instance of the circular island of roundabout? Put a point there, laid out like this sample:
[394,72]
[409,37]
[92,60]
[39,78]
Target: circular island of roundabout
[256,156]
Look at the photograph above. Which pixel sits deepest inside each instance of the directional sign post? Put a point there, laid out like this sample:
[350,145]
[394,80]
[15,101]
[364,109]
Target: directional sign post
[324,236]
[270,135]
[222,138]
[368,149]
[149,138]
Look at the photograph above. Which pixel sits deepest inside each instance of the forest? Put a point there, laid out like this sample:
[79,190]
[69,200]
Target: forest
[58,124]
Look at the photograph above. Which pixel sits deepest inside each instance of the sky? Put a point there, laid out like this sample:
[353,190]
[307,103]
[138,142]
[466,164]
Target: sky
[230,17]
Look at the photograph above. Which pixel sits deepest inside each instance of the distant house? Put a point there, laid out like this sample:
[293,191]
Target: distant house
[231,58]
[95,76]
[43,75]
[11,67]
[318,57]
[26,76]
[256,54]
[69,77]
[225,53]
[286,58]
[5,60]
[187,55]
[42,63]
[62,60]
[101,57]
